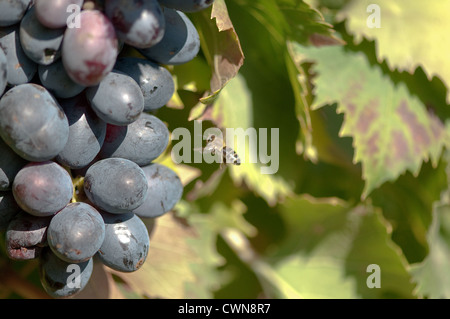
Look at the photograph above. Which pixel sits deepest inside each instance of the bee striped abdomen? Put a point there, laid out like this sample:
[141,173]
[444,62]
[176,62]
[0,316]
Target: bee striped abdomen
[230,156]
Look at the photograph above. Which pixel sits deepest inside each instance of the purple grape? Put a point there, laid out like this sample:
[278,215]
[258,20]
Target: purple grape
[164,191]
[86,133]
[187,5]
[32,123]
[76,232]
[155,81]
[89,52]
[140,142]
[20,68]
[12,11]
[126,243]
[117,99]
[59,279]
[26,235]
[139,23]
[55,13]
[8,209]
[40,44]
[115,185]
[42,189]
[180,44]
[56,80]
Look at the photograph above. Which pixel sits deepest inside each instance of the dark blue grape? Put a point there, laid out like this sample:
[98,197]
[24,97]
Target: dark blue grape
[26,235]
[86,133]
[12,11]
[56,80]
[54,13]
[42,189]
[59,278]
[76,232]
[40,44]
[32,123]
[140,142]
[164,191]
[126,243]
[187,5]
[138,23]
[115,185]
[180,44]
[155,81]
[10,165]
[90,51]
[117,99]
[8,209]
[20,68]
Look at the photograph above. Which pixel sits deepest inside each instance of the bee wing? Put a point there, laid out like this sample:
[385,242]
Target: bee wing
[209,148]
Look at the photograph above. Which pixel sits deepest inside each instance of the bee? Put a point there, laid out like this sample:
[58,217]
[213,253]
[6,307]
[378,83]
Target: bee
[216,144]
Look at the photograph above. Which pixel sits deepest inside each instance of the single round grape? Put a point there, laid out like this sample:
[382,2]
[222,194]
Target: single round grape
[117,99]
[164,191]
[56,80]
[20,68]
[115,185]
[42,189]
[56,13]
[26,235]
[40,44]
[180,44]
[141,142]
[32,123]
[90,51]
[76,232]
[61,279]
[187,5]
[138,23]
[12,11]
[10,165]
[155,81]
[126,243]
[8,209]
[86,133]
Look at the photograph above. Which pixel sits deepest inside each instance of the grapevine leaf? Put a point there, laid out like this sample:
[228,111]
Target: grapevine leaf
[398,40]
[233,109]
[328,249]
[220,45]
[392,131]
[431,275]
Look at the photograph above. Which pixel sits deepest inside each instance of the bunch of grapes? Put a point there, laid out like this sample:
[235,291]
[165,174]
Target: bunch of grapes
[78,130]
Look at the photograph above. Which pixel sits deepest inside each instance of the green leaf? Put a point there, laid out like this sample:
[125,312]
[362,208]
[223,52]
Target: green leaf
[431,275]
[233,109]
[328,249]
[412,34]
[392,131]
[220,45]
